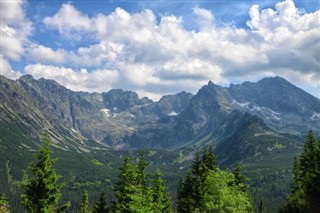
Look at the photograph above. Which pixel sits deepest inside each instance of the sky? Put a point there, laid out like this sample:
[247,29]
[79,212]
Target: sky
[161,47]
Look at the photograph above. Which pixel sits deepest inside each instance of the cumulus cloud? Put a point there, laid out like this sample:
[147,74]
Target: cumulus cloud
[205,17]
[15,28]
[151,54]
[155,55]
[69,21]
[6,69]
[44,54]
[77,80]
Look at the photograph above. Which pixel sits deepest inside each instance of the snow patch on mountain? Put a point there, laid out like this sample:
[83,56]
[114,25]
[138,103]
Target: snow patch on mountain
[248,106]
[173,113]
[106,111]
[315,116]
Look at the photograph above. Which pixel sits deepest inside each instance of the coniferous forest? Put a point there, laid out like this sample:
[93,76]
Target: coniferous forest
[204,188]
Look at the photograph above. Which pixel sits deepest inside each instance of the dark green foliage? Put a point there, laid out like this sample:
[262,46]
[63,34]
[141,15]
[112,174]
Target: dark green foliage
[239,178]
[141,170]
[134,193]
[84,205]
[161,197]
[42,190]
[305,193]
[185,199]
[221,195]
[209,189]
[190,194]
[125,188]
[101,206]
[262,207]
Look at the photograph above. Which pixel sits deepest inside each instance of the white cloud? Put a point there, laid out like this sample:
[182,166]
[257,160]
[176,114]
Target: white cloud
[69,21]
[205,17]
[6,69]
[78,80]
[44,54]
[15,28]
[139,52]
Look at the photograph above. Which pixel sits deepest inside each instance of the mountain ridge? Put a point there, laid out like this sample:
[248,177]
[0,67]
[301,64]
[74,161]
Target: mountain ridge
[120,119]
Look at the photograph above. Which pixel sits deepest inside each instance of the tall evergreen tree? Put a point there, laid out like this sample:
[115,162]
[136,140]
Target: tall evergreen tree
[191,190]
[308,157]
[125,187]
[305,192]
[101,206]
[239,178]
[161,197]
[141,170]
[133,191]
[296,172]
[209,159]
[185,199]
[84,204]
[42,191]
[221,196]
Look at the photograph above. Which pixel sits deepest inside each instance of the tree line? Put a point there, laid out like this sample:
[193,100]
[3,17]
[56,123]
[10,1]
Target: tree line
[205,188]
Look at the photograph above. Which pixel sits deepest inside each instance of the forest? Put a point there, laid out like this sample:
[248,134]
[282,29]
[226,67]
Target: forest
[205,187]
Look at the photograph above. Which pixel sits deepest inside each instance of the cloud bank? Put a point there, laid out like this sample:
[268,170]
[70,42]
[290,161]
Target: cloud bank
[156,55]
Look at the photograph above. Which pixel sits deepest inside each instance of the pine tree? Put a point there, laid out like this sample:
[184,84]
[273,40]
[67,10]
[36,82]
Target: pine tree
[141,170]
[305,192]
[191,190]
[209,159]
[84,205]
[125,188]
[161,197]
[101,206]
[185,199]
[239,178]
[42,191]
[308,157]
[296,172]
[221,195]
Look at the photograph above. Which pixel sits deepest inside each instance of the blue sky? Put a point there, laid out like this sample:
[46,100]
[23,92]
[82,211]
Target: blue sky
[161,47]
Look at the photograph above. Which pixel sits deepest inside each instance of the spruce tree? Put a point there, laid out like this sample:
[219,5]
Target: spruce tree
[209,159]
[141,170]
[308,157]
[305,192]
[161,197]
[42,190]
[101,206]
[185,198]
[191,190]
[125,188]
[84,204]
[239,178]
[221,196]
[296,172]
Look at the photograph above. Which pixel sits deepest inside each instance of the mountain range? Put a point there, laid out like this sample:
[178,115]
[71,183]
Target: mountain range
[119,119]
[261,125]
